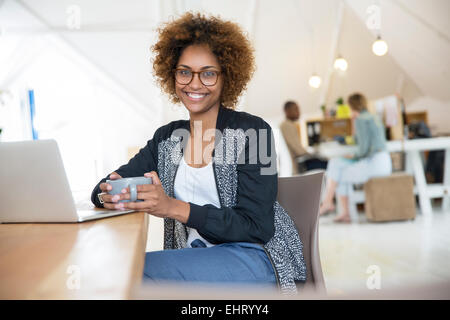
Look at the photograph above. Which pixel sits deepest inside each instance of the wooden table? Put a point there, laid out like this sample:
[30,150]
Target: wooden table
[414,166]
[100,259]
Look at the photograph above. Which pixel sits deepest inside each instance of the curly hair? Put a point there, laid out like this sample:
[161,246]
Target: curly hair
[225,39]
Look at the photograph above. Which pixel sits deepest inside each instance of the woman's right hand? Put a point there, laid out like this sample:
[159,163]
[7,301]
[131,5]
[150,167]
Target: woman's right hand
[108,200]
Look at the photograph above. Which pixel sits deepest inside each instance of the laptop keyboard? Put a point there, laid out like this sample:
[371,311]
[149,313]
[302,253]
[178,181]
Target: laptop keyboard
[84,205]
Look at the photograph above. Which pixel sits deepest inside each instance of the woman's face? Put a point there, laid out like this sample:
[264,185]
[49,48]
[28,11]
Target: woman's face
[195,96]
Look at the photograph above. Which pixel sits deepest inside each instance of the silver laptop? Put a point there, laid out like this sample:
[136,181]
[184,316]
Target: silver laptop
[34,186]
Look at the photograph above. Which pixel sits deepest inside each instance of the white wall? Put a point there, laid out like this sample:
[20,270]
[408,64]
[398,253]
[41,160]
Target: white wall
[93,118]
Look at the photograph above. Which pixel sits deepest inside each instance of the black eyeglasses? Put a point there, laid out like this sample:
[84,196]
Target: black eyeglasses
[207,77]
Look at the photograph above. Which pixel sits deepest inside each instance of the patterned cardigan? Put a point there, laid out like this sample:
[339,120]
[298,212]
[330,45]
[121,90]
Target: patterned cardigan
[275,232]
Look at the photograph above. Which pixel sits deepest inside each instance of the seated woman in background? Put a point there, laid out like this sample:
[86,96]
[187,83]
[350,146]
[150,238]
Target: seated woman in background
[370,160]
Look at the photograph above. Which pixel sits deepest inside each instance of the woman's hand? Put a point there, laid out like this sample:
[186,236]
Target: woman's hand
[108,203]
[156,201]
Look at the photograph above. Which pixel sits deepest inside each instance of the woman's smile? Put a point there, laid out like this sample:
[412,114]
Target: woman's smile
[195,96]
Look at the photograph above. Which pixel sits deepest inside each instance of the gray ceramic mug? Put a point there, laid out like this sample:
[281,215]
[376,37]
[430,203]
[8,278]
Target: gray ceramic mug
[132,183]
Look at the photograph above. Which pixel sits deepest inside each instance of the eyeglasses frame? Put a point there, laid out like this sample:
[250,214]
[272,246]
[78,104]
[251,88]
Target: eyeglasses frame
[193,74]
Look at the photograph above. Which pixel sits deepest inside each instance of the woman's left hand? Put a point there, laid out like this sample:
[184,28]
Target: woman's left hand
[156,201]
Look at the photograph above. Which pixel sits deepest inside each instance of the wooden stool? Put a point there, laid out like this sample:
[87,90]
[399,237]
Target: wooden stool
[390,198]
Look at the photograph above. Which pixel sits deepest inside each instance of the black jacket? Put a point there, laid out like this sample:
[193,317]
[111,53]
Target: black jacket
[244,165]
[252,219]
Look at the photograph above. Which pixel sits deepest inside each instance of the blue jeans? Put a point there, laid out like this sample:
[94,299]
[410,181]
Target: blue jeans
[227,263]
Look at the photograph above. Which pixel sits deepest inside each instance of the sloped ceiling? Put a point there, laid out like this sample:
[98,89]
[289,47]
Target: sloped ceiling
[292,38]
[418,33]
[367,73]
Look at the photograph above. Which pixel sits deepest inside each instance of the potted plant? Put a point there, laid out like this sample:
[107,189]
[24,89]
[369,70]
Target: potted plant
[324,110]
[342,111]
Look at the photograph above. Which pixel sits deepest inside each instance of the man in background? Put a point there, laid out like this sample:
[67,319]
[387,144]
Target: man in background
[302,160]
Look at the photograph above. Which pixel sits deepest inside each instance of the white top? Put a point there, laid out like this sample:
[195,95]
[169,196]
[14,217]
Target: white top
[196,185]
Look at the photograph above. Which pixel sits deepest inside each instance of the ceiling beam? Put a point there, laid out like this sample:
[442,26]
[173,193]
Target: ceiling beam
[253,20]
[327,83]
[253,13]
[422,21]
[23,56]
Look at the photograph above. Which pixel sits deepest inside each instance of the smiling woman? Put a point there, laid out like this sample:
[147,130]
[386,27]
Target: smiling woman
[219,204]
[226,41]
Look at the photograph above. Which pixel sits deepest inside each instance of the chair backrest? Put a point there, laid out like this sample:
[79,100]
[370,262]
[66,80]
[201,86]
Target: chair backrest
[300,196]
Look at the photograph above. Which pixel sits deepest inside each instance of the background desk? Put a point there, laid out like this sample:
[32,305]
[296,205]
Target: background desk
[414,166]
[43,261]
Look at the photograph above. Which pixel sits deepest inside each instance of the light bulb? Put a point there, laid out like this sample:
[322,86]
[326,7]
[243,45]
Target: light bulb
[340,64]
[315,81]
[380,47]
